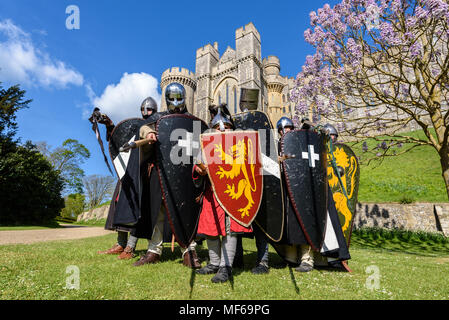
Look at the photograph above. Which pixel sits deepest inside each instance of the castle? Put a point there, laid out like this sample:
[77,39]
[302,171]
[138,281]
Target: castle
[219,79]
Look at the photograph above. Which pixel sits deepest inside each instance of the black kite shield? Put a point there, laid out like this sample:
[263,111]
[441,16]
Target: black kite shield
[343,173]
[127,167]
[270,217]
[178,142]
[306,178]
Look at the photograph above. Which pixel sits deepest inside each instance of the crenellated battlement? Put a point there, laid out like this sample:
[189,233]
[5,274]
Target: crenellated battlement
[176,71]
[272,65]
[208,49]
[247,29]
[271,60]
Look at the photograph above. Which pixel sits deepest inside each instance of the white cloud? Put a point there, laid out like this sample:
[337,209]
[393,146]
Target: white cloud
[122,100]
[21,61]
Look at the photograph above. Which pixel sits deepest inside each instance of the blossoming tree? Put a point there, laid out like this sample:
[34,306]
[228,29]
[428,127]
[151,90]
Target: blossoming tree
[380,66]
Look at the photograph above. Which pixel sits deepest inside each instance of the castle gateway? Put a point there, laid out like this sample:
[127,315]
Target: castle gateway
[219,79]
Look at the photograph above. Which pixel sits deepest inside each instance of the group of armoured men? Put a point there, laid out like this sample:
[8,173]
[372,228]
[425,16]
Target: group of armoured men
[222,233]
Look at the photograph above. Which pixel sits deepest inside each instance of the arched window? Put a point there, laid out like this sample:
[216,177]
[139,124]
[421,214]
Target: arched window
[227,94]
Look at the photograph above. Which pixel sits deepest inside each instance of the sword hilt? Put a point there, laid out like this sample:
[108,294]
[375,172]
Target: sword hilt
[286,156]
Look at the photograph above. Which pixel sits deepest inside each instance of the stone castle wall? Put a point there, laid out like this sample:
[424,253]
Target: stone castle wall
[426,217]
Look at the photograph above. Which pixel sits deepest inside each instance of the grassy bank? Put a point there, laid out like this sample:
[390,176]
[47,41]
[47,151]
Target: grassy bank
[412,177]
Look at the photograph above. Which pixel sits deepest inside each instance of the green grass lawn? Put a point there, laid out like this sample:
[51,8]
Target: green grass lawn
[412,177]
[406,271]
[50,225]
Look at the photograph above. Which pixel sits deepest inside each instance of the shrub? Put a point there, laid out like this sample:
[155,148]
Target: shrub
[30,189]
[74,206]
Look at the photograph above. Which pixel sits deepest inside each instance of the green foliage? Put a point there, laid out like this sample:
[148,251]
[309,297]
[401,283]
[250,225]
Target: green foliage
[92,223]
[11,101]
[74,206]
[30,189]
[67,159]
[64,220]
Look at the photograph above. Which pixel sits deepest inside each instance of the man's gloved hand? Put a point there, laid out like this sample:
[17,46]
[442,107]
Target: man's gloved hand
[104,119]
[100,118]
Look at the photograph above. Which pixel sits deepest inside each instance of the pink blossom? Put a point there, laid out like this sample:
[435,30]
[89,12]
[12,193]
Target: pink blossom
[415,50]
[421,13]
[437,8]
[313,18]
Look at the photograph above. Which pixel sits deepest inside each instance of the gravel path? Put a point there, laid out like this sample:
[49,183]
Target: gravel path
[68,232]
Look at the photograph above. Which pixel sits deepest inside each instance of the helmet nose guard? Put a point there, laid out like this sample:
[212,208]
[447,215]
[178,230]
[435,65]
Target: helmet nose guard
[175,97]
[148,104]
[221,118]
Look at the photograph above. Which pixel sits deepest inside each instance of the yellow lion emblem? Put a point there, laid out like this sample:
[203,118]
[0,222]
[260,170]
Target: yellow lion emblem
[236,156]
[341,202]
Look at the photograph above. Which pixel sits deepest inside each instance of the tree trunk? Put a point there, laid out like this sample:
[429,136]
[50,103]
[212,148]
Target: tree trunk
[444,160]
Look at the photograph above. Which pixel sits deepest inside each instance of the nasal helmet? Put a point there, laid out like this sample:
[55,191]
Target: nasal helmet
[175,97]
[283,123]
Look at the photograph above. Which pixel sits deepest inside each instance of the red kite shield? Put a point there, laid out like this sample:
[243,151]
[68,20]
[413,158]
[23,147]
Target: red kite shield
[234,165]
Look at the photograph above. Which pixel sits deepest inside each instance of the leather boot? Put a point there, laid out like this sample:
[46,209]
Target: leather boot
[188,256]
[224,274]
[128,253]
[116,249]
[209,269]
[148,258]
[261,268]
[304,267]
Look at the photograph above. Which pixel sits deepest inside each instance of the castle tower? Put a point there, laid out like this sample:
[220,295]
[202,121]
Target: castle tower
[275,88]
[184,77]
[220,79]
[206,59]
[249,61]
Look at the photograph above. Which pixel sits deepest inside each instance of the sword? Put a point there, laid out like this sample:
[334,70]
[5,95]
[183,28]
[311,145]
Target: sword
[94,120]
[133,145]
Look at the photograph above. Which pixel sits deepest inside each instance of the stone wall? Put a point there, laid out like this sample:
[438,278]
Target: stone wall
[427,217]
[95,214]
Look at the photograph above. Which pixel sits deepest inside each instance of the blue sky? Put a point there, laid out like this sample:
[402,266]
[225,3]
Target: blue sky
[123,47]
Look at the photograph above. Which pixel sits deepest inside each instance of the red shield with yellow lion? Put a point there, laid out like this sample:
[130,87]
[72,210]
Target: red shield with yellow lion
[234,164]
